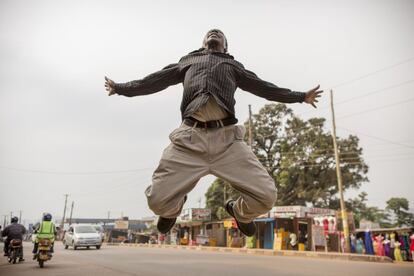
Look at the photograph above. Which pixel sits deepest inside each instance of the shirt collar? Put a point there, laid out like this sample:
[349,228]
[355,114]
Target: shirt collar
[204,51]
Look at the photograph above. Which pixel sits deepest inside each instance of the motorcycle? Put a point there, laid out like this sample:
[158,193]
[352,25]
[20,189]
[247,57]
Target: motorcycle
[15,250]
[44,253]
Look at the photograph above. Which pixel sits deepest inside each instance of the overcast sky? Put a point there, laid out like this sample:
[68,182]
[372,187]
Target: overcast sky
[60,133]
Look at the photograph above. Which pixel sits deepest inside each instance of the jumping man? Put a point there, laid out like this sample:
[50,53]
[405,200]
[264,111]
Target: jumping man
[208,140]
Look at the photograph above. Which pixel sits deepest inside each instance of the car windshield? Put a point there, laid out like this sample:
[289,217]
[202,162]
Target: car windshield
[85,229]
[98,228]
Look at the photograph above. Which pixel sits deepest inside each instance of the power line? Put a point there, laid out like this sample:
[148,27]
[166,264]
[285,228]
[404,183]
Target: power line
[358,97]
[119,186]
[378,138]
[372,73]
[345,163]
[376,108]
[73,172]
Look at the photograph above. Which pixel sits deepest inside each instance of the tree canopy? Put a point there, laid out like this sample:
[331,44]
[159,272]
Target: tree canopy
[398,208]
[299,155]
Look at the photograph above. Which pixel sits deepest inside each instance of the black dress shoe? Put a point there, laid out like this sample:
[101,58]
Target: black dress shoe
[165,224]
[249,229]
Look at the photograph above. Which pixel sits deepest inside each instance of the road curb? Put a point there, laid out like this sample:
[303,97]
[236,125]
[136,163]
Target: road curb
[267,252]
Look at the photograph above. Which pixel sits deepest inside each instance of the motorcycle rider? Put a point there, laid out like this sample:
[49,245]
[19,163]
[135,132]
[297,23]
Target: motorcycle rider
[13,231]
[45,230]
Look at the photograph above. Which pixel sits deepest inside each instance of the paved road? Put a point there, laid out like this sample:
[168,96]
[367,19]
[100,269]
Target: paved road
[122,261]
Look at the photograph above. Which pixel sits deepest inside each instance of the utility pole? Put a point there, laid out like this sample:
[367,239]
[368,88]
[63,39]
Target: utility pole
[109,215]
[225,193]
[64,212]
[4,221]
[339,178]
[20,216]
[250,126]
[71,211]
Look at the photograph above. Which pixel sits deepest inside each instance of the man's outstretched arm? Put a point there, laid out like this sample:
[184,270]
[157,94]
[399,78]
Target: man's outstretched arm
[153,83]
[248,81]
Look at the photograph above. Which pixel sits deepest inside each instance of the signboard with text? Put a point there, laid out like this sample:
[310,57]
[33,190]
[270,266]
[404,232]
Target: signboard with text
[121,224]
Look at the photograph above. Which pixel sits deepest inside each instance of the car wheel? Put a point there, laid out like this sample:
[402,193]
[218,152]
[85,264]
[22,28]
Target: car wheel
[87,247]
[98,247]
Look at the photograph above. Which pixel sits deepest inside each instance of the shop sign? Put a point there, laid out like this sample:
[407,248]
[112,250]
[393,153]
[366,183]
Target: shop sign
[318,236]
[200,214]
[312,211]
[121,224]
[285,215]
[282,209]
[184,216]
[194,214]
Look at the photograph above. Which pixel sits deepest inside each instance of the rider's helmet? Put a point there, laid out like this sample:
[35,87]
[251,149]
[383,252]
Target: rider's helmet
[14,219]
[47,217]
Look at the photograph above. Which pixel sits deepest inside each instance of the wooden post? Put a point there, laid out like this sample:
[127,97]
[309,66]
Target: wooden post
[339,179]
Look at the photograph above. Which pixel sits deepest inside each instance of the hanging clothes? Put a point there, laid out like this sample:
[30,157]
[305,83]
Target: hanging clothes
[387,247]
[353,243]
[392,245]
[325,223]
[403,248]
[360,246]
[397,252]
[368,243]
[375,246]
[407,246]
[380,247]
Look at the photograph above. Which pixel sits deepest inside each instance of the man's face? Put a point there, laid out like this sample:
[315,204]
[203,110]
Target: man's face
[215,39]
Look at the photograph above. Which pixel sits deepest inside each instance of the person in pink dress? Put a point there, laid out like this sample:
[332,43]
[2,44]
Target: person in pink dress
[412,246]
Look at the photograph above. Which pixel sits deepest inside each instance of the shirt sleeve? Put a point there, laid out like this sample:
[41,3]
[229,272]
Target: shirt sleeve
[5,231]
[248,81]
[155,82]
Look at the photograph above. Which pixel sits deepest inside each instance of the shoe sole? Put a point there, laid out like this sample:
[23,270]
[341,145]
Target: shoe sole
[231,213]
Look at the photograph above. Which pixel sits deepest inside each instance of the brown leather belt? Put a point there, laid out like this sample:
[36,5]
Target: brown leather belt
[190,121]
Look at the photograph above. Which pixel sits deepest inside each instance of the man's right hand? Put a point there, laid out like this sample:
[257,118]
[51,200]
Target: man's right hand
[109,86]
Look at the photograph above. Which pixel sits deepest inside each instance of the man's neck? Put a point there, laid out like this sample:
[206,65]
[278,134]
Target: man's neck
[214,50]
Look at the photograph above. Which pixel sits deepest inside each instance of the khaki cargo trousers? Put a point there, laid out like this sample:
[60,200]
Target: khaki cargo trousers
[197,152]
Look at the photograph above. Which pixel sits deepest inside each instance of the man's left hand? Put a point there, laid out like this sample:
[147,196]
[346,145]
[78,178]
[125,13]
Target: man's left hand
[311,96]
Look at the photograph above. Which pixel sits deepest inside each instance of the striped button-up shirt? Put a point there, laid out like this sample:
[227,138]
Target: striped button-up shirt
[207,74]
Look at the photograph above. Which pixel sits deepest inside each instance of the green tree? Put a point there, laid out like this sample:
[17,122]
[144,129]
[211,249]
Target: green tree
[398,207]
[299,155]
[217,195]
[358,206]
